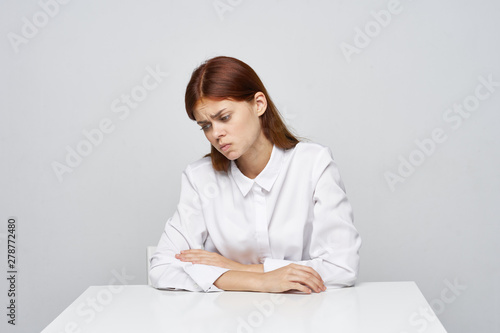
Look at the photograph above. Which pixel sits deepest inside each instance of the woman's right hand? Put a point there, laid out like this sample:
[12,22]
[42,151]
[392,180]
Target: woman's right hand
[292,277]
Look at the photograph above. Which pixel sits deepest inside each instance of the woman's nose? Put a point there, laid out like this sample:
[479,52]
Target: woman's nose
[218,131]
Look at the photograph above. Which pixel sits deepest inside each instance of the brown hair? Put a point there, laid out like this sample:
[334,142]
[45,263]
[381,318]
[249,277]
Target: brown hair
[229,78]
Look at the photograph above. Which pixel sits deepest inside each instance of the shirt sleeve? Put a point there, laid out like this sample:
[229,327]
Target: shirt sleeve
[335,242]
[184,230]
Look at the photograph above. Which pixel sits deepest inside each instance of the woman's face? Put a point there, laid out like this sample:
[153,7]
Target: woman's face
[232,127]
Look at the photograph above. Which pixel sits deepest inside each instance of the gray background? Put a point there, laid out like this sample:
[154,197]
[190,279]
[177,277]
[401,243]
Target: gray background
[437,226]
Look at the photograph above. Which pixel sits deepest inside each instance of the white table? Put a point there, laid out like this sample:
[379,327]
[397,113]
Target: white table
[386,307]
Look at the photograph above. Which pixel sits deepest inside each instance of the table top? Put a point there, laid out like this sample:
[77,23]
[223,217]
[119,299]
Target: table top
[386,307]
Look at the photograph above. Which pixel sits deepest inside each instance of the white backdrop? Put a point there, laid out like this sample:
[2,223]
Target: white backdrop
[94,135]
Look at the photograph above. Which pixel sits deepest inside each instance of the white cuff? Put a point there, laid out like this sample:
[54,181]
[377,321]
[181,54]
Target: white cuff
[205,275]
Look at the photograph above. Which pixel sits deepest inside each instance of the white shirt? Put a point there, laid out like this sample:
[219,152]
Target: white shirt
[294,211]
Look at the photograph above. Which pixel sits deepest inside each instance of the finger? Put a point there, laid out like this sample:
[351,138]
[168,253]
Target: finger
[310,270]
[192,255]
[300,287]
[194,251]
[198,254]
[196,260]
[203,261]
[308,279]
[188,257]
[203,254]
[183,258]
[206,258]
[312,275]
[313,272]
[311,284]
[316,278]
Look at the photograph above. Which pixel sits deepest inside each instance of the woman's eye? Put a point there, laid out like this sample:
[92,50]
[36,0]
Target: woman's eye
[225,118]
[205,127]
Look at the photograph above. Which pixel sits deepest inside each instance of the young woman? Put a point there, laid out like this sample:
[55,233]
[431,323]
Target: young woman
[262,211]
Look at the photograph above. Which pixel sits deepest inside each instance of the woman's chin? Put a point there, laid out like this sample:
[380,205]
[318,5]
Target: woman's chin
[231,155]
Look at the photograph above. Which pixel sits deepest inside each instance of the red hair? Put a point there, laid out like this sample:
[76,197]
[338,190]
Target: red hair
[229,78]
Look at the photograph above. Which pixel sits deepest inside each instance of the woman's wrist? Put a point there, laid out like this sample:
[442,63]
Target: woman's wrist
[240,281]
[256,268]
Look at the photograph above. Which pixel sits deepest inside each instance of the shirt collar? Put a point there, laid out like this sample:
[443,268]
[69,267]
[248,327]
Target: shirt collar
[265,179]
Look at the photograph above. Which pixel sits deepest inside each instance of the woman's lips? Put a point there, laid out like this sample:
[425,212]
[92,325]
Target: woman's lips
[225,147]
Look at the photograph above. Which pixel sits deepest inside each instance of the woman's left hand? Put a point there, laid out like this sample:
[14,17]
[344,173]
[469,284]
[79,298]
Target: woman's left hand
[209,258]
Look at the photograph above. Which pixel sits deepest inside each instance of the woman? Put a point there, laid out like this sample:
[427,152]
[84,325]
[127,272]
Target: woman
[262,211]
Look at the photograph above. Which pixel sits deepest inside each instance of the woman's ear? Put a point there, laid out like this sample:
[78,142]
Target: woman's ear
[260,103]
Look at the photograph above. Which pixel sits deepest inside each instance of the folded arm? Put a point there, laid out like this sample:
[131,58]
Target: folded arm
[253,278]
[185,230]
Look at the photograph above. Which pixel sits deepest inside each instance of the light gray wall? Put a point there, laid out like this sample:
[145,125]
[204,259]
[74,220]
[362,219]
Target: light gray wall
[437,225]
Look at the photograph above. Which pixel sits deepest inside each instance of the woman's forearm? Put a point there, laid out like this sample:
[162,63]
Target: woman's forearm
[240,281]
[256,268]
[242,277]
[291,277]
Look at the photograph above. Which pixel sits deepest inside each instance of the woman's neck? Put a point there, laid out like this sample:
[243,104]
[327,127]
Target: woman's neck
[255,159]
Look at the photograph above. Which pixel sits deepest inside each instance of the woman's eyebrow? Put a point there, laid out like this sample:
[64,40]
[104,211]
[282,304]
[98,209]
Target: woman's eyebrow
[212,116]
